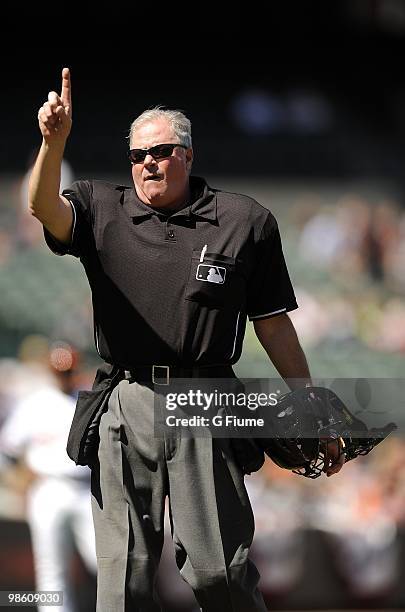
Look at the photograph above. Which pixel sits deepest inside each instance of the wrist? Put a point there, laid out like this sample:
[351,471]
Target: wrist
[54,147]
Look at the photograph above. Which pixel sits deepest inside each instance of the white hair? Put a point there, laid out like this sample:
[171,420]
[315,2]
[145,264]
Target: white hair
[181,126]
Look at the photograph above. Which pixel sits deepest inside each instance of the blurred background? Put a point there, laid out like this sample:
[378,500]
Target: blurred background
[304,110]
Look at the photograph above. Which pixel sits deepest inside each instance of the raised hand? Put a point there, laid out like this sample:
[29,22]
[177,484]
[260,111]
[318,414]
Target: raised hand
[55,116]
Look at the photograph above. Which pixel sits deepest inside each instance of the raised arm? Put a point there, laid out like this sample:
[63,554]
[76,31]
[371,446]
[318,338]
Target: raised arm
[44,201]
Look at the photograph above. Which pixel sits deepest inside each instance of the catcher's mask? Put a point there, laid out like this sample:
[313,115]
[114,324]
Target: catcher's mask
[306,421]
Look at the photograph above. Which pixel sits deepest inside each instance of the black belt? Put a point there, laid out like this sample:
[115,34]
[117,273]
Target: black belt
[161,374]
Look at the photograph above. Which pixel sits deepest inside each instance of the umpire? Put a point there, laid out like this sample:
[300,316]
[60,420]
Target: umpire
[175,267]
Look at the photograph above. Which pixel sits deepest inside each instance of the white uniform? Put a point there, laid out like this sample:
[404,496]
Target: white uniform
[58,501]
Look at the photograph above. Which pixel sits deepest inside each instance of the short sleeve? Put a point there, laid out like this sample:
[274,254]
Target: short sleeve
[270,291]
[80,197]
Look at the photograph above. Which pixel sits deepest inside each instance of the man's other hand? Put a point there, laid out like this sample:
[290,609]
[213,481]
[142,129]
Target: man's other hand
[334,455]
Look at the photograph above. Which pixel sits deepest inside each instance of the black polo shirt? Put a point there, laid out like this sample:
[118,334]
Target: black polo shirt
[175,288]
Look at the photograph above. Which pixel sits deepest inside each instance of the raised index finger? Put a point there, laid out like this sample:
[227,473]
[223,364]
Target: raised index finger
[66,94]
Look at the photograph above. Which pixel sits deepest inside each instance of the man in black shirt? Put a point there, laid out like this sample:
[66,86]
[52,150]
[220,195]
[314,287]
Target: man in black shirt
[175,267]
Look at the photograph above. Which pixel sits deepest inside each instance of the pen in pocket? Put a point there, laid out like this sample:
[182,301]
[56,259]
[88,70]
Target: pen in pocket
[203,253]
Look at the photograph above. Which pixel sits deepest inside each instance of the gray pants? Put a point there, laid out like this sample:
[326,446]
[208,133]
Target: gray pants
[211,517]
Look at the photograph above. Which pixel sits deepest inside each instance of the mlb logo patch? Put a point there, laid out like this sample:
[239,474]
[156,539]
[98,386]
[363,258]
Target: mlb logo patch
[211,274]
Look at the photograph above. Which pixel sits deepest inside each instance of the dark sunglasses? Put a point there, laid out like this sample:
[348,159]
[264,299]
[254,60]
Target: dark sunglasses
[159,151]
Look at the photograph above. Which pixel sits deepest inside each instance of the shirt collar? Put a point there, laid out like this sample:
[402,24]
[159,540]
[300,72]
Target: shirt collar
[204,202]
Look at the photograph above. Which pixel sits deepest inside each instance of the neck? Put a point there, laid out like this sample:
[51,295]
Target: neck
[172,206]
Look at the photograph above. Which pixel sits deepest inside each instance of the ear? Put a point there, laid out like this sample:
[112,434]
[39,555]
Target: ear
[189,158]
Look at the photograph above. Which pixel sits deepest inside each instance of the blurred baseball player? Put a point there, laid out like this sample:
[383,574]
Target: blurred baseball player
[58,493]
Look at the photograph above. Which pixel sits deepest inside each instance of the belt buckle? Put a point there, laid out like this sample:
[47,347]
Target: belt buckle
[156,375]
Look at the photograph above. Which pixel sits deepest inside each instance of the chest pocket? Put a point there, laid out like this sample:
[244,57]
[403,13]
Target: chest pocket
[215,281]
